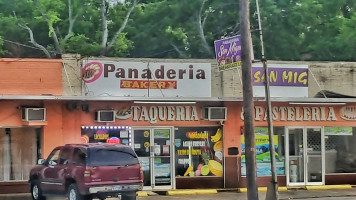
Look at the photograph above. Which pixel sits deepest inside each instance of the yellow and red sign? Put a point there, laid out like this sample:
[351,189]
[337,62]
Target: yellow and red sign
[144,84]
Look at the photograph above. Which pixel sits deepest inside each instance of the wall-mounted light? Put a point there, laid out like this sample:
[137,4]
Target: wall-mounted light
[108,127]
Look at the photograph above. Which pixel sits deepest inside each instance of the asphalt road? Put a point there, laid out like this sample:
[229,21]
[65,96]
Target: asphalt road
[349,194]
[292,194]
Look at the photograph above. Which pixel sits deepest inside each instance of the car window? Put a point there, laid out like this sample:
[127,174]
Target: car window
[79,156]
[64,156]
[112,157]
[53,157]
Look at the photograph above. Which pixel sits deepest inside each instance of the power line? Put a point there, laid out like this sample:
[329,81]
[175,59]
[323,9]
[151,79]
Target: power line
[24,45]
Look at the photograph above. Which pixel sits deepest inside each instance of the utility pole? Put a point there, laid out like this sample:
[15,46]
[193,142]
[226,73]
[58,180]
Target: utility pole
[272,191]
[250,142]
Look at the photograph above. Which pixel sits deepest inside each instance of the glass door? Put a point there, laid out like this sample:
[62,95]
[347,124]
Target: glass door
[142,147]
[295,155]
[162,164]
[314,158]
[304,156]
[154,149]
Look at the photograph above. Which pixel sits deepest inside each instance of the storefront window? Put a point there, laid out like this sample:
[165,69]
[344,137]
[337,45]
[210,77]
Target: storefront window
[18,152]
[198,151]
[263,160]
[340,149]
[106,134]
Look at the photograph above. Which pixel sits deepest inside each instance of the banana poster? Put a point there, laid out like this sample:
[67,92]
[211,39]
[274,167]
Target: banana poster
[199,151]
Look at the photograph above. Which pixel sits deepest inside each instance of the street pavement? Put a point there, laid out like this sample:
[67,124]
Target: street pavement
[346,194]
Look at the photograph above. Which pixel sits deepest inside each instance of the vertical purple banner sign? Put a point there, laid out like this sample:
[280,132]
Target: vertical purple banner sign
[228,52]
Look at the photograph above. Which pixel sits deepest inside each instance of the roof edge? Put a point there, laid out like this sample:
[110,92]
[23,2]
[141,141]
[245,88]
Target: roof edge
[176,99]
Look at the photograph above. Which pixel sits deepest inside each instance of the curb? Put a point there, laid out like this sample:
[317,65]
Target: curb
[142,194]
[328,187]
[314,187]
[191,192]
[262,189]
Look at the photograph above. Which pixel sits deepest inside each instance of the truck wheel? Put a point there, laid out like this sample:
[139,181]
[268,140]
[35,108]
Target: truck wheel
[36,191]
[73,192]
[129,196]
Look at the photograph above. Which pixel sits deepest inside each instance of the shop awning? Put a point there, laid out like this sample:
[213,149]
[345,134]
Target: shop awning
[333,100]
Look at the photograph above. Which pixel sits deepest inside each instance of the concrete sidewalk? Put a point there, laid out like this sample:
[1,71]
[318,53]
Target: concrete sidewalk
[226,195]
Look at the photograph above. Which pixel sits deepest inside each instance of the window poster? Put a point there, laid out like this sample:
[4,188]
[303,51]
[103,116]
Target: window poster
[104,135]
[263,159]
[338,130]
[198,151]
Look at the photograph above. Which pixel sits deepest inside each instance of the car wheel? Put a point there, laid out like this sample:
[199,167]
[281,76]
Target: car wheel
[129,196]
[73,193]
[36,191]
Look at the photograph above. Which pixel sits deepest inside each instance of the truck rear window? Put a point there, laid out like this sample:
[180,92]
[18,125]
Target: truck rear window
[112,157]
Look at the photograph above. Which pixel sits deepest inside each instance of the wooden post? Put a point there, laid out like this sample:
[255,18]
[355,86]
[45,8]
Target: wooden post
[250,143]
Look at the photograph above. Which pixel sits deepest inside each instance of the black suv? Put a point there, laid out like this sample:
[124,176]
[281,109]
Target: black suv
[87,171]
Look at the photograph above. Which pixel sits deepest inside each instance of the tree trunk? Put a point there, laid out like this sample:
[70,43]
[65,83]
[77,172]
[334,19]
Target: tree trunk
[200,27]
[32,40]
[107,47]
[71,20]
[104,10]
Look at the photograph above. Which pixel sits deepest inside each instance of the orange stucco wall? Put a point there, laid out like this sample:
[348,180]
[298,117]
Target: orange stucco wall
[232,133]
[53,131]
[30,76]
[88,118]
[64,125]
[10,115]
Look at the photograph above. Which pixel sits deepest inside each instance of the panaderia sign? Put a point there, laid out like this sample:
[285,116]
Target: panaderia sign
[150,79]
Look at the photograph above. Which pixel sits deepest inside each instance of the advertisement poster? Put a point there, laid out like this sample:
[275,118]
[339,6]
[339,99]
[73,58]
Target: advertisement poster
[338,130]
[263,159]
[162,173]
[145,164]
[104,135]
[286,80]
[198,151]
[146,79]
[228,52]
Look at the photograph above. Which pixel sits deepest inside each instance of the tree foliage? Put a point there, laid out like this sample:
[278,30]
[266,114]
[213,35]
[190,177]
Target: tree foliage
[293,30]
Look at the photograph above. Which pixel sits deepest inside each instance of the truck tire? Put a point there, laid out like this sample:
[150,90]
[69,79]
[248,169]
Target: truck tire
[73,192]
[36,191]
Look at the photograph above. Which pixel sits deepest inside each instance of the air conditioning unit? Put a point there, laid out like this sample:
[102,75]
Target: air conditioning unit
[33,114]
[214,113]
[105,116]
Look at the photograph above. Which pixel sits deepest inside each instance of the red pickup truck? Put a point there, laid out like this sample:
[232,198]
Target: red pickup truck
[87,171]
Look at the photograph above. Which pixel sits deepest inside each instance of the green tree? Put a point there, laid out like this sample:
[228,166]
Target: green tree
[293,30]
[87,21]
[2,51]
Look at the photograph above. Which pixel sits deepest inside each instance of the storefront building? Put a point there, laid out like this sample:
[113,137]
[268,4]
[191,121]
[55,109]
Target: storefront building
[178,116]
[177,137]
[173,123]
[313,142]
[21,140]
